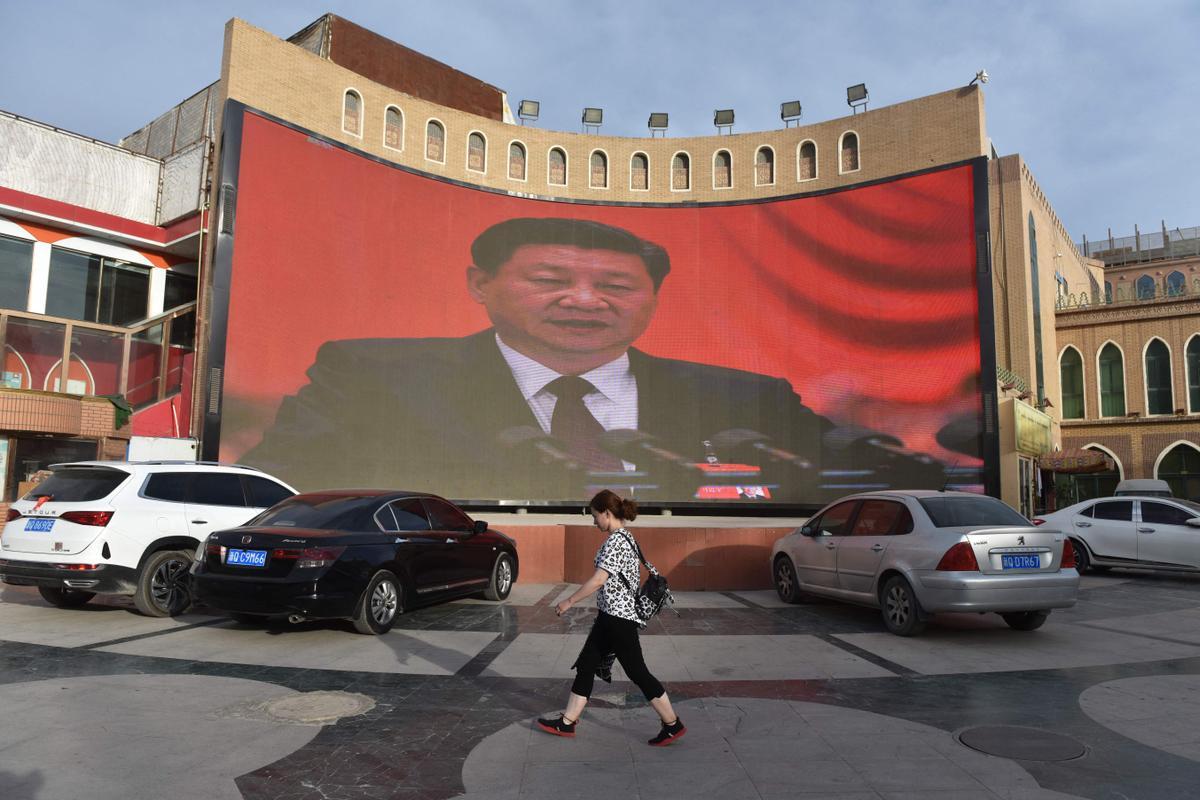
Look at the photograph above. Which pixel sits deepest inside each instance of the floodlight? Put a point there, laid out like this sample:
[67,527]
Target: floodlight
[789,111]
[528,109]
[593,116]
[856,96]
[723,118]
[658,122]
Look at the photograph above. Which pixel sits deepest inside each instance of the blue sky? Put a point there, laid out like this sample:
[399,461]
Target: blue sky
[1098,96]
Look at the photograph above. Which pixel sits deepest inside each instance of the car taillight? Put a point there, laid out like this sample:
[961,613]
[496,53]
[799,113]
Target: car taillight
[959,558]
[309,557]
[1068,559]
[1038,521]
[97,518]
[78,567]
[13,514]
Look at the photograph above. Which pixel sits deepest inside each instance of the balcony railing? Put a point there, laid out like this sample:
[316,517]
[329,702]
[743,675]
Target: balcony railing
[144,363]
[1123,295]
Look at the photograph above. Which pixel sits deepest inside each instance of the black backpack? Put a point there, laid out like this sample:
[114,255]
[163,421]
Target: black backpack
[654,593]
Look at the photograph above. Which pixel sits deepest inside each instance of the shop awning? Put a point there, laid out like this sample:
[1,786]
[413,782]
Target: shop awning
[1077,460]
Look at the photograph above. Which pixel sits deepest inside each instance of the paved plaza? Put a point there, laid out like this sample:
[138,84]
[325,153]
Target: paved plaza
[780,701]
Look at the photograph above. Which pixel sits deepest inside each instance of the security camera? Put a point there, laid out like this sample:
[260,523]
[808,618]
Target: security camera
[981,76]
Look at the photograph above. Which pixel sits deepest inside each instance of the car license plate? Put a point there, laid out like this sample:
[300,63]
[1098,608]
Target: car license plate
[246,558]
[1020,561]
[39,525]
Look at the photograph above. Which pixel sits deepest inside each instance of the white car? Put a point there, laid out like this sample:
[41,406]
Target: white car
[1148,532]
[126,528]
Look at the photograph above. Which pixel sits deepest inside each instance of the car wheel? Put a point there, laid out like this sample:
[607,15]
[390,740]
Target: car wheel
[163,585]
[787,585]
[502,578]
[901,611]
[379,605]
[1026,620]
[1083,562]
[65,598]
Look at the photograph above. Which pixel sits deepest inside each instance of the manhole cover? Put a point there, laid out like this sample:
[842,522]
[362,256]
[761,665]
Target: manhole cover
[318,708]
[1022,744]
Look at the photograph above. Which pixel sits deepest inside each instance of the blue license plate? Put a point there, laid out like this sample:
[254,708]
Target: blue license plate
[1020,562]
[39,525]
[246,558]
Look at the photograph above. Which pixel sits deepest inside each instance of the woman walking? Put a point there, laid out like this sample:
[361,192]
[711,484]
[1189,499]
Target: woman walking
[616,627]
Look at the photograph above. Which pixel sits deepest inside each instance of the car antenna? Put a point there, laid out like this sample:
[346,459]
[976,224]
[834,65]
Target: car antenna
[946,482]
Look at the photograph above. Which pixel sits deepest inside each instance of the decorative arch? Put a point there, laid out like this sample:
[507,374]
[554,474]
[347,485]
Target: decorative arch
[806,161]
[764,166]
[1072,400]
[1110,379]
[517,161]
[435,141]
[1145,288]
[393,128]
[598,169]
[722,169]
[1108,452]
[556,166]
[1167,450]
[352,112]
[848,149]
[681,171]
[477,151]
[1179,465]
[1176,284]
[1156,370]
[639,172]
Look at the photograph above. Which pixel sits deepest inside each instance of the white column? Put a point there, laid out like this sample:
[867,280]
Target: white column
[39,278]
[158,291]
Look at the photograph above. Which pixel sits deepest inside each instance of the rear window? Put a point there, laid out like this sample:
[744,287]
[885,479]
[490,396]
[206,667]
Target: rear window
[341,513]
[78,485]
[953,512]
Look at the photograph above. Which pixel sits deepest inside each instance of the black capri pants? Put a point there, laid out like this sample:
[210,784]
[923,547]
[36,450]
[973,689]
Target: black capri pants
[611,634]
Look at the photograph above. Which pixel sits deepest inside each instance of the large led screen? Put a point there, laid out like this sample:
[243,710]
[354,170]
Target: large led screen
[390,329]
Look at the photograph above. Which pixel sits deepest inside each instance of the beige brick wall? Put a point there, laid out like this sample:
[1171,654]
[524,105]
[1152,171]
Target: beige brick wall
[46,412]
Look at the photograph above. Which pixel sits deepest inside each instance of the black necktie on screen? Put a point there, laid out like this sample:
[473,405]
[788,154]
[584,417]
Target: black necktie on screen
[575,426]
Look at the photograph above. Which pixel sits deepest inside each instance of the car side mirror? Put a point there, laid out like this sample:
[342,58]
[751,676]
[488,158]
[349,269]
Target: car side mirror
[808,531]
[1194,522]
[480,526]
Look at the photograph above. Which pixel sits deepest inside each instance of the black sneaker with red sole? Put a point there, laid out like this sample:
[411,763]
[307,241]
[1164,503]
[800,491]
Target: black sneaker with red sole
[557,726]
[669,734]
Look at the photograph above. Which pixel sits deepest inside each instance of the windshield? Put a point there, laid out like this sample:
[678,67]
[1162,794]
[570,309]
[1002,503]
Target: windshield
[78,485]
[952,512]
[322,513]
[1190,505]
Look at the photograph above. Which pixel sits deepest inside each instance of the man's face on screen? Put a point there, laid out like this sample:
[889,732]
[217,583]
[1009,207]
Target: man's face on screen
[554,302]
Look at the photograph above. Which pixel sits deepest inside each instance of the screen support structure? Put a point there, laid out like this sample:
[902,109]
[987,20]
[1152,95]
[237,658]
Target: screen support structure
[989,444]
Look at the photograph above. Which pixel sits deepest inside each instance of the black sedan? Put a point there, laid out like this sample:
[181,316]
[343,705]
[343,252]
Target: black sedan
[363,555]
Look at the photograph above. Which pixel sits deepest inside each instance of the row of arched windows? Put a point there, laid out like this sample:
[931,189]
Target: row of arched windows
[1178,464]
[556,157]
[1110,376]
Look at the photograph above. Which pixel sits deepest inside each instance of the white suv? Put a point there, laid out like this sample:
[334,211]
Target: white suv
[130,528]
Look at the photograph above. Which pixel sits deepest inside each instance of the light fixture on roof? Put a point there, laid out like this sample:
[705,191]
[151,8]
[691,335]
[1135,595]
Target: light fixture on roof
[528,109]
[592,117]
[723,118]
[856,96]
[657,123]
[789,112]
[980,77]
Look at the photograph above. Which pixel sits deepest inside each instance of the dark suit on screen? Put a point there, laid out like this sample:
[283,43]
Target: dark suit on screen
[428,414]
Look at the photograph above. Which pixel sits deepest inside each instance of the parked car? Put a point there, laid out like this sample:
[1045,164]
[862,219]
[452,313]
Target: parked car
[1143,532]
[366,556]
[1147,487]
[126,528]
[913,554]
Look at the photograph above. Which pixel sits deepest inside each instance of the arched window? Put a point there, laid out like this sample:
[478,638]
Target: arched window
[476,152]
[639,172]
[764,167]
[1180,468]
[599,173]
[393,128]
[516,161]
[1145,288]
[1158,378]
[849,151]
[1108,298]
[557,165]
[352,113]
[1193,374]
[1112,381]
[1176,284]
[1070,366]
[435,142]
[722,170]
[806,161]
[681,172]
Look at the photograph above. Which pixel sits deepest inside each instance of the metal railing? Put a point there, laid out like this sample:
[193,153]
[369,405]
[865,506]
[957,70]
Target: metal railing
[1150,246]
[1121,295]
[144,363]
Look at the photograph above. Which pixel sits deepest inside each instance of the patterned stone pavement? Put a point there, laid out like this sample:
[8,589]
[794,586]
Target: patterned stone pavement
[808,701]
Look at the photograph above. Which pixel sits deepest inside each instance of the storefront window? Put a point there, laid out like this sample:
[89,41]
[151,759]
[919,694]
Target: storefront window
[95,289]
[16,264]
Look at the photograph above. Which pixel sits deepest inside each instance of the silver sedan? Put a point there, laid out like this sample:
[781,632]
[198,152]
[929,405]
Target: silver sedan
[1143,532]
[913,554]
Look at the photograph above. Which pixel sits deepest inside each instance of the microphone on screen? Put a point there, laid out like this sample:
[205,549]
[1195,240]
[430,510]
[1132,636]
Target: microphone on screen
[545,447]
[743,444]
[646,451]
